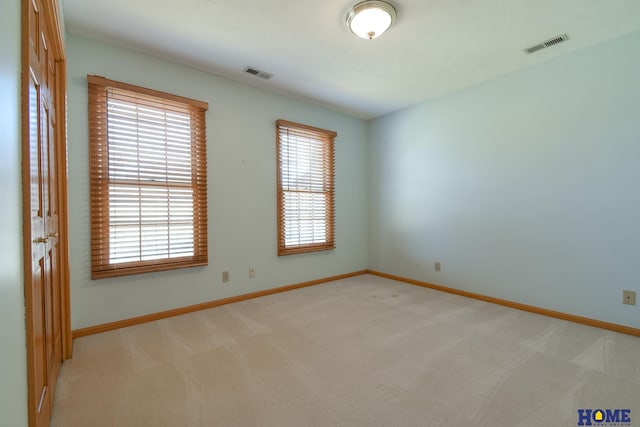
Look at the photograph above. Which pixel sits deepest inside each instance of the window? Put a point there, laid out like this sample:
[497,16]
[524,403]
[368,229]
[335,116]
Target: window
[305,188]
[148,180]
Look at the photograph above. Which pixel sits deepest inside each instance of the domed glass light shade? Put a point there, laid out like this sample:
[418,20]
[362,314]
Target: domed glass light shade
[370,19]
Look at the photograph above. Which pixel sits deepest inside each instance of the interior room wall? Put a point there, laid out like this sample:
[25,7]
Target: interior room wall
[525,187]
[241,188]
[13,370]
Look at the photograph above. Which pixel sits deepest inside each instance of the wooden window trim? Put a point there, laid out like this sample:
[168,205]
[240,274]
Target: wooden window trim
[99,80]
[100,180]
[328,139]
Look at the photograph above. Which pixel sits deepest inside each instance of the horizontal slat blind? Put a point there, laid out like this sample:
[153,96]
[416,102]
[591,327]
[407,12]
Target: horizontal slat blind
[306,220]
[148,180]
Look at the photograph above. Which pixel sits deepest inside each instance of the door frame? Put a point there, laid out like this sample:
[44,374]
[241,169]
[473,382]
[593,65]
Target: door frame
[52,20]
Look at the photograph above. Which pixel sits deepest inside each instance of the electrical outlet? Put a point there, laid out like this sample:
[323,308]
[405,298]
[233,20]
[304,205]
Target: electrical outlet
[252,272]
[226,277]
[436,266]
[629,297]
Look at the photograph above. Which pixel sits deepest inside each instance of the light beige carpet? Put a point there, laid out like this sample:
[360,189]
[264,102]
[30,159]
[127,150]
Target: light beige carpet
[363,351]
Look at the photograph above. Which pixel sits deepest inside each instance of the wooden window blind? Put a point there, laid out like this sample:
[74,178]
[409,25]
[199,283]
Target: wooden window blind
[148,179]
[305,188]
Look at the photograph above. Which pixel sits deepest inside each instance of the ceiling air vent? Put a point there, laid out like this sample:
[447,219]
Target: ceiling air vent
[258,73]
[551,42]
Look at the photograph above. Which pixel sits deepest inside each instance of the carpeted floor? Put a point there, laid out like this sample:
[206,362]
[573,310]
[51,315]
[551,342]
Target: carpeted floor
[364,351]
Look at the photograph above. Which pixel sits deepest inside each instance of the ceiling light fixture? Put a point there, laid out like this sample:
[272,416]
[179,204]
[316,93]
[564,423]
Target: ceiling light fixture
[371,18]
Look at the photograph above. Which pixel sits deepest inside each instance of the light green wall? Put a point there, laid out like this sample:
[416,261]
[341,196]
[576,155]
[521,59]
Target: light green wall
[242,189]
[526,187]
[13,371]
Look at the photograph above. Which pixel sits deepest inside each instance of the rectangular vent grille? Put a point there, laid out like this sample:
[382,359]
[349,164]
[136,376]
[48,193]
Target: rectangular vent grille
[551,42]
[258,73]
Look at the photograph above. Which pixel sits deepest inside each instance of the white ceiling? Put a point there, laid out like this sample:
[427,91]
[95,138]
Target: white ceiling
[435,46]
